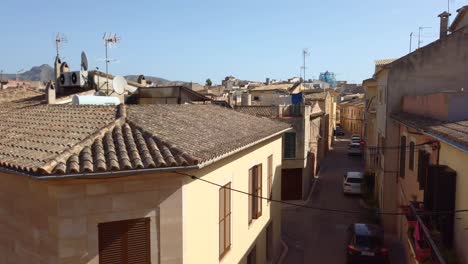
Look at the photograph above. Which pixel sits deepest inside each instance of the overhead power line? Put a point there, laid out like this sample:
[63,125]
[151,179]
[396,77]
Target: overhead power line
[316,208]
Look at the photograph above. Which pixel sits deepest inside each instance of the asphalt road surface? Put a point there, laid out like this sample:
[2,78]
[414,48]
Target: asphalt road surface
[316,236]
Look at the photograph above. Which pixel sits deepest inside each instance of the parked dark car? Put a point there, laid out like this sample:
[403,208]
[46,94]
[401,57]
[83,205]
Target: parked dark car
[365,244]
[339,131]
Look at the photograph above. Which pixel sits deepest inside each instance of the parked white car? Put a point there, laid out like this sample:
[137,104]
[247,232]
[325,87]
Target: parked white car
[355,148]
[356,138]
[352,182]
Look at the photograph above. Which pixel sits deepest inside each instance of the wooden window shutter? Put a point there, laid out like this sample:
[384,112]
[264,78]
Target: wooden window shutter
[270,177]
[403,156]
[259,190]
[250,198]
[255,193]
[224,219]
[411,157]
[125,242]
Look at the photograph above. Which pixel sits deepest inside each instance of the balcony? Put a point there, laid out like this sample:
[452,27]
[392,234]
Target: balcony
[424,240]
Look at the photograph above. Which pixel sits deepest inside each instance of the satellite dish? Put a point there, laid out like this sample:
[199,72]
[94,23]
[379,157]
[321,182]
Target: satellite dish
[119,84]
[84,61]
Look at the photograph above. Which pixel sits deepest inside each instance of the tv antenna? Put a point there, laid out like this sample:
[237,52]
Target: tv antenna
[419,35]
[305,53]
[109,41]
[60,39]
[410,41]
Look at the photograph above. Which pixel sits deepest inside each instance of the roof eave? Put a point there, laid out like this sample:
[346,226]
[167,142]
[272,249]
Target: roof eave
[428,133]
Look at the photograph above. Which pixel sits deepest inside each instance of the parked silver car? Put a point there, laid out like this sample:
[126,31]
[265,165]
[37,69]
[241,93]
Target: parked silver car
[355,148]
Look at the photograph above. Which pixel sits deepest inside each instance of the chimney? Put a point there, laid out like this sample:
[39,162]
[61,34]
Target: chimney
[246,99]
[444,23]
[50,93]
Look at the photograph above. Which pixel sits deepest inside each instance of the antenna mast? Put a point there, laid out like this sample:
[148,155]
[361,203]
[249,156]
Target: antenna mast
[305,53]
[419,35]
[108,41]
[60,39]
[410,41]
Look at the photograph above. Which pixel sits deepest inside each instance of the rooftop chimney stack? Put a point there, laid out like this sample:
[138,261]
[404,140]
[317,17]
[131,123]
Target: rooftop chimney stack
[444,23]
[50,93]
[246,99]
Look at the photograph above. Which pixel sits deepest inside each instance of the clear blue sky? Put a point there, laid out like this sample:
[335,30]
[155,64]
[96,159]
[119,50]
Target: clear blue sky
[194,40]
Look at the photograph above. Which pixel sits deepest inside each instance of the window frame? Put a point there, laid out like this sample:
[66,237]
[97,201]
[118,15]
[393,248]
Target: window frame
[292,145]
[225,219]
[270,177]
[402,156]
[252,256]
[123,230]
[255,191]
[411,157]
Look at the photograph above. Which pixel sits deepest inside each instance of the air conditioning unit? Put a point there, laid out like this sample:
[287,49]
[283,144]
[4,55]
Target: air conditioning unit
[64,79]
[74,79]
[79,78]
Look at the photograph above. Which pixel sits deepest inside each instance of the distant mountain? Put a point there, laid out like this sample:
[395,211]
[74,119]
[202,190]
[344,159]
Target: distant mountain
[37,73]
[155,80]
[46,72]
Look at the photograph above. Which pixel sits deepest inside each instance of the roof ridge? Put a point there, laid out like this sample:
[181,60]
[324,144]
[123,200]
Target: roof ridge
[88,141]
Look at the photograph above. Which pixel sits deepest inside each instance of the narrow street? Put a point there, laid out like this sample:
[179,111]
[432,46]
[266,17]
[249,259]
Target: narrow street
[318,236]
[314,236]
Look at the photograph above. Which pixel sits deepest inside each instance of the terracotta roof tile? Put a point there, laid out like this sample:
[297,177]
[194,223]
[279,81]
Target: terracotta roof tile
[320,96]
[68,139]
[202,132]
[32,136]
[21,95]
[384,62]
[260,110]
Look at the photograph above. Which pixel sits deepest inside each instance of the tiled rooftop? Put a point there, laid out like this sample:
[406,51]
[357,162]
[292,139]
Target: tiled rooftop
[21,95]
[315,96]
[260,110]
[456,132]
[58,139]
[383,62]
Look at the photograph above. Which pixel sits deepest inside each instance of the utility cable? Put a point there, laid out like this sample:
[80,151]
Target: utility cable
[316,208]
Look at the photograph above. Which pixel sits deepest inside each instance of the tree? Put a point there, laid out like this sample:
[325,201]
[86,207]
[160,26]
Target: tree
[208,82]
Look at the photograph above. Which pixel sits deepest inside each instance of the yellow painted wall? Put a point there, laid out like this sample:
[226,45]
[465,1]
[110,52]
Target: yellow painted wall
[50,222]
[458,161]
[201,205]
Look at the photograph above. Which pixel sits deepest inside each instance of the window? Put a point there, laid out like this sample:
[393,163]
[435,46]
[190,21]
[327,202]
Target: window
[269,243]
[290,145]
[411,156]
[402,156]
[252,257]
[295,110]
[255,188]
[125,242]
[224,219]
[270,177]
[423,164]
[381,99]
